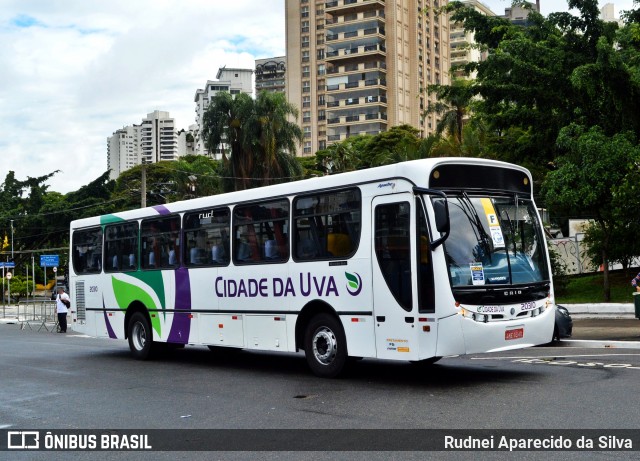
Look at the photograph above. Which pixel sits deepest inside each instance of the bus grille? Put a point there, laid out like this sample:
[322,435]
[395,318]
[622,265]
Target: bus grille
[81,309]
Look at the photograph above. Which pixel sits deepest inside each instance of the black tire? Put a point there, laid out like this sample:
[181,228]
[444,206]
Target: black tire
[325,346]
[140,337]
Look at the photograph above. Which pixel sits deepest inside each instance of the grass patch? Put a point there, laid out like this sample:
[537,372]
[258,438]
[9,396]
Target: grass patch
[588,288]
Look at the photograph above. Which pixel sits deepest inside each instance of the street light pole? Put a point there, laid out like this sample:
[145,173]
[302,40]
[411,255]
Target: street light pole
[12,240]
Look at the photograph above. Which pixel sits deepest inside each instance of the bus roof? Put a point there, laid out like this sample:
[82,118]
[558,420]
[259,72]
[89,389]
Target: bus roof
[415,171]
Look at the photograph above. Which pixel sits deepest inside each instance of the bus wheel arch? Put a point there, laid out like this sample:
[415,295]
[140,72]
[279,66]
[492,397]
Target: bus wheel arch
[324,341]
[310,310]
[139,332]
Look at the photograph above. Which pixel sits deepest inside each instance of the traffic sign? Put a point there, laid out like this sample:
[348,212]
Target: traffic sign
[7,264]
[9,275]
[55,269]
[49,260]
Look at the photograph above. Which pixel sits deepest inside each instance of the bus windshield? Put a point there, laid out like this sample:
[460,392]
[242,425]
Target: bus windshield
[494,241]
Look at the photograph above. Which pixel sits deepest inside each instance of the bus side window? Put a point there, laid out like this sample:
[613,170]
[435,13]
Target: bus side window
[327,225]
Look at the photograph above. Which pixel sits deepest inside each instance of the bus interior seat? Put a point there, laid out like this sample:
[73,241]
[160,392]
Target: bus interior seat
[306,249]
[338,244]
[244,252]
[271,250]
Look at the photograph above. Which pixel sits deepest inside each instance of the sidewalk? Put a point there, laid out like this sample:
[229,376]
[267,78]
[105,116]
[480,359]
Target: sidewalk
[601,329]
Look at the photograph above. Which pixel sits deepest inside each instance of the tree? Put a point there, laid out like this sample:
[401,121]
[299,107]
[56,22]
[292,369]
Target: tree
[451,106]
[255,137]
[593,169]
[274,138]
[341,156]
[555,71]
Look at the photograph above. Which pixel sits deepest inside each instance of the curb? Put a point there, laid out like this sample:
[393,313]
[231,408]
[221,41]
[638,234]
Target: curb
[601,310]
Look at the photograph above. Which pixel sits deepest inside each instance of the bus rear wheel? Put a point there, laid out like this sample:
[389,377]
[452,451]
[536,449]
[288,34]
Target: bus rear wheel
[325,346]
[140,337]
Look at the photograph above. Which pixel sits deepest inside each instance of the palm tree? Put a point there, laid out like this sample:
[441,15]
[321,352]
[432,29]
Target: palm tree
[452,106]
[274,138]
[256,138]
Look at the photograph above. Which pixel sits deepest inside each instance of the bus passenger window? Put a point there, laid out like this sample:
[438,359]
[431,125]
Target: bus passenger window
[327,225]
[161,242]
[262,232]
[207,233]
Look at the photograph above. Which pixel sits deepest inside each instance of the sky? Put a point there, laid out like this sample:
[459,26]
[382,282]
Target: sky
[74,71]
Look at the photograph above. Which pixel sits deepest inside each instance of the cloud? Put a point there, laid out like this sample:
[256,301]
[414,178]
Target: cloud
[76,71]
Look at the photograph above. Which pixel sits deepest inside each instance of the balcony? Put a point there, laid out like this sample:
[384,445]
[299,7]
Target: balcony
[356,52]
[353,5]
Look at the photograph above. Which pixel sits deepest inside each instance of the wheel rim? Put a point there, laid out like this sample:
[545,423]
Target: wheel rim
[325,346]
[139,336]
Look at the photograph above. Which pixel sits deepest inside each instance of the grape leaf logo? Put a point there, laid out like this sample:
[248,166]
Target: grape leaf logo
[354,283]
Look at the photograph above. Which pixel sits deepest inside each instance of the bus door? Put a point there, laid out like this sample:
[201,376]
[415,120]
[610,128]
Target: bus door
[394,264]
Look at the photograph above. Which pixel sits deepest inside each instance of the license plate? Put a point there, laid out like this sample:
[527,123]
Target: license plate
[514,334]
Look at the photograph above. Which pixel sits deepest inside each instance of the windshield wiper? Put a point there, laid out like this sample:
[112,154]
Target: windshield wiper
[474,219]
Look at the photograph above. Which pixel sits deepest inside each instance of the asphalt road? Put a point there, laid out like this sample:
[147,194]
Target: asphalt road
[56,381]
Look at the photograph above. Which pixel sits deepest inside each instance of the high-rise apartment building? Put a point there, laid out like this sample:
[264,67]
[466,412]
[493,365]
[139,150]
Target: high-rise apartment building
[122,150]
[363,66]
[462,42]
[270,74]
[154,140]
[231,80]
[519,14]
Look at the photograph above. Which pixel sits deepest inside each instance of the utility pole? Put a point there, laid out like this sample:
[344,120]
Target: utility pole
[143,186]
[12,240]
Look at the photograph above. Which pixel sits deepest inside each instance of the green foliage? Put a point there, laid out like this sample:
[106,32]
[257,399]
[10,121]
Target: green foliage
[559,272]
[19,288]
[588,289]
[558,70]
[256,138]
[594,166]
[452,107]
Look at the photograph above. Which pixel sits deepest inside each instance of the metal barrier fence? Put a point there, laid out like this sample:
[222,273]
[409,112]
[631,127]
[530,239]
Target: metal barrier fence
[34,314]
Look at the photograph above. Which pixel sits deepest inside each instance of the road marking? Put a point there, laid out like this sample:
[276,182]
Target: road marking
[555,356]
[553,360]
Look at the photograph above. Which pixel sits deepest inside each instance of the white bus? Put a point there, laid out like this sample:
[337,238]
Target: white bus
[412,261]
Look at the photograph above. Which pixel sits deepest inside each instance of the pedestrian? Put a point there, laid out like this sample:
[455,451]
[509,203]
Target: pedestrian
[62,305]
[635,283]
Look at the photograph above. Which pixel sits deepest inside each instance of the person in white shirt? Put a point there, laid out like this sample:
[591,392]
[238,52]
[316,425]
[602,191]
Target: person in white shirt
[62,304]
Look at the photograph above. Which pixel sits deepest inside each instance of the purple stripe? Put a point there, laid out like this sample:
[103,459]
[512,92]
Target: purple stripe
[181,326]
[112,334]
[161,209]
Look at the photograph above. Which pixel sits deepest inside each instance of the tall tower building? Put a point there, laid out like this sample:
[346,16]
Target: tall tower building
[122,150]
[154,140]
[231,80]
[462,42]
[363,66]
[270,74]
[158,138]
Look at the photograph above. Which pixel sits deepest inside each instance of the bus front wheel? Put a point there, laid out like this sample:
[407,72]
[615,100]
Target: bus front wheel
[140,336]
[325,346]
